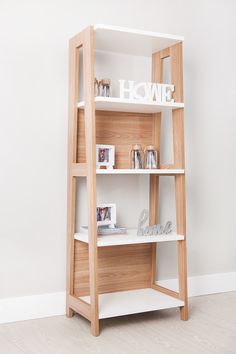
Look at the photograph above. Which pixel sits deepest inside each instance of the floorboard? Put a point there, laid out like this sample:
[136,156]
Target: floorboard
[210,329]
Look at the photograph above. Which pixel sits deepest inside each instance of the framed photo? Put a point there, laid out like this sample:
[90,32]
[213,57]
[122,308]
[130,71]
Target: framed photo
[106,215]
[105,156]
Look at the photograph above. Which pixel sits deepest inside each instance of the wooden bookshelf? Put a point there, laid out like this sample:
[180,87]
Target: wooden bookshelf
[110,276]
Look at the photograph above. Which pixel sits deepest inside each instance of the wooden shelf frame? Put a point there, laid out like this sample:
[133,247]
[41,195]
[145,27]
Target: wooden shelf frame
[89,267]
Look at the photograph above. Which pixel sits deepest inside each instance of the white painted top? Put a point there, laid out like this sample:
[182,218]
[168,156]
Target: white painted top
[126,105]
[133,301]
[132,41]
[128,239]
[129,171]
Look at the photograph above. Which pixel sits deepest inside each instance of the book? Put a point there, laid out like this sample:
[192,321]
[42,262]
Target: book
[104,230]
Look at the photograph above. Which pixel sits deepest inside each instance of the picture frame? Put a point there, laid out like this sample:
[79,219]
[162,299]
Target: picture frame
[105,156]
[106,215]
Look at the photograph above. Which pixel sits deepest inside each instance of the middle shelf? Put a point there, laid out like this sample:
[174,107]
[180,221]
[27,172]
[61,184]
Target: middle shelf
[128,239]
[80,169]
[128,171]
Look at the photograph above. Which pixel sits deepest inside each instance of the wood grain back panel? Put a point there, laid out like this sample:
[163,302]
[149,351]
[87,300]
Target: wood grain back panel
[120,129]
[119,268]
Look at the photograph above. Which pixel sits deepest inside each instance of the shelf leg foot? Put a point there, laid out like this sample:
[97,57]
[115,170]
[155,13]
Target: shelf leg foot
[184,313]
[95,328]
[69,312]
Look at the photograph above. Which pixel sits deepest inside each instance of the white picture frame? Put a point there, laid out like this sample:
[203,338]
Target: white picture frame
[105,156]
[106,215]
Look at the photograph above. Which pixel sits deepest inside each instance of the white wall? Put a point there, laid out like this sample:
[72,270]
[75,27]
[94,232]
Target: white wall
[33,136]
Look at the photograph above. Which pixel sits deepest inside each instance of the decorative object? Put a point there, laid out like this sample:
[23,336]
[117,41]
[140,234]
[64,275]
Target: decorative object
[105,156]
[96,87]
[152,229]
[106,215]
[150,157]
[146,91]
[105,87]
[136,156]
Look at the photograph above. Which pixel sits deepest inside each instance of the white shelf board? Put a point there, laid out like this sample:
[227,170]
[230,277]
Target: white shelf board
[132,41]
[133,301]
[140,171]
[126,105]
[128,239]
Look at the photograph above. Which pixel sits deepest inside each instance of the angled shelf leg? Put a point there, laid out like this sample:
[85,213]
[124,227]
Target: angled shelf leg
[71,190]
[157,76]
[182,254]
[90,139]
[178,144]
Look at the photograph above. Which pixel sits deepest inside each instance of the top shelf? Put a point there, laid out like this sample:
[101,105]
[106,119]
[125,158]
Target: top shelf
[132,41]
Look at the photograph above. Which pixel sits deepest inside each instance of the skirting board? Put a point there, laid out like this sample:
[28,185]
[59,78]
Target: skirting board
[54,304]
[205,284]
[31,307]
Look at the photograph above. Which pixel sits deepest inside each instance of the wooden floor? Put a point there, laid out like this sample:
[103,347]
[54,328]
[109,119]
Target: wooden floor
[210,329]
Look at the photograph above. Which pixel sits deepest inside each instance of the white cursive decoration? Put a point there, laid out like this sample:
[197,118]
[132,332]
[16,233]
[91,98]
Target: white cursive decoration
[146,91]
[152,229]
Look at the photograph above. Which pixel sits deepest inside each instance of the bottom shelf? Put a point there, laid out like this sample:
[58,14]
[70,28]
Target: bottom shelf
[133,301]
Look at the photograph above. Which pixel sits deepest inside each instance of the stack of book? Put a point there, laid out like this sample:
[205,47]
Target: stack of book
[105,230]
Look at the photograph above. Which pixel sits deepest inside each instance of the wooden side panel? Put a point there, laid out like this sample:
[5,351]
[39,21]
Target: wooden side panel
[119,268]
[178,139]
[177,115]
[157,76]
[119,129]
[182,247]
[176,55]
[90,139]
[75,43]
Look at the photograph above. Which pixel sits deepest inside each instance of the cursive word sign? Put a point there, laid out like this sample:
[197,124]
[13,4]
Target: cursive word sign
[146,91]
[153,229]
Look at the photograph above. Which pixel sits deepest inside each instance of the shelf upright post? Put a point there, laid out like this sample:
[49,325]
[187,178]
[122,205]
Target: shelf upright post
[90,140]
[157,76]
[176,57]
[75,44]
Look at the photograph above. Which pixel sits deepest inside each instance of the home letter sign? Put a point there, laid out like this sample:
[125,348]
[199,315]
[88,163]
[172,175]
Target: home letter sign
[146,91]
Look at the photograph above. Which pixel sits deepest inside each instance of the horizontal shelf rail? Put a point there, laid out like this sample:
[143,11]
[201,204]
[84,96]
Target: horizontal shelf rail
[80,306]
[79,169]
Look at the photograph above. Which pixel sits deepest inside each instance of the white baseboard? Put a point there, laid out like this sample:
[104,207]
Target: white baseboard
[205,284]
[31,307]
[54,304]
